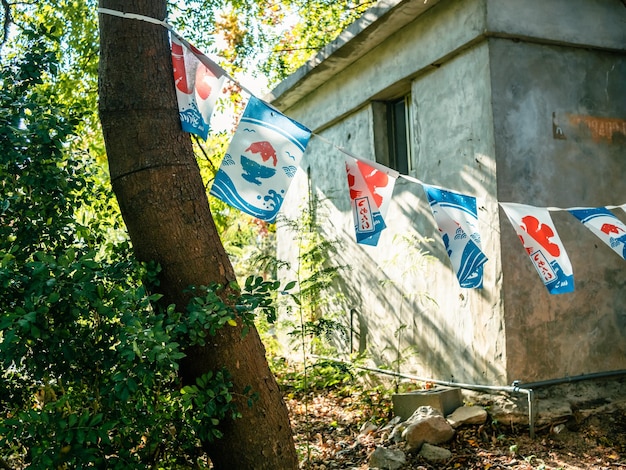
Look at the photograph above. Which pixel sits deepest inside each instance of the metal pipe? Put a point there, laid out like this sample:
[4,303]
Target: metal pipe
[505,388]
[516,387]
[576,378]
[532,414]
[352,312]
[494,388]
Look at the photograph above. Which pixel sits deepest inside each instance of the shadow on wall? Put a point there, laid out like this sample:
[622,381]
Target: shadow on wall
[397,328]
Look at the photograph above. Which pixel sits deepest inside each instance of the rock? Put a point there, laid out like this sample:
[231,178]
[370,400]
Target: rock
[467,415]
[424,412]
[367,428]
[426,425]
[551,410]
[387,459]
[396,434]
[435,454]
[506,409]
[391,424]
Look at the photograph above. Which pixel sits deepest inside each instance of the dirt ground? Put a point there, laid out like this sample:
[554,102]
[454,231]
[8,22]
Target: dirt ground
[328,432]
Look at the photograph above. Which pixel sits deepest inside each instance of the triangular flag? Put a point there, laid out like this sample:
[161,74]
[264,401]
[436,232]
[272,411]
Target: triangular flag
[537,233]
[605,225]
[457,219]
[261,161]
[370,193]
[198,84]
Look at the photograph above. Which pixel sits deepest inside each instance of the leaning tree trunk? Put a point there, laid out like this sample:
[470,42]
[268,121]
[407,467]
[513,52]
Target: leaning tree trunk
[164,205]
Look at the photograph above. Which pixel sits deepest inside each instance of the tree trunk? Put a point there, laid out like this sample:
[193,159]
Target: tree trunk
[164,205]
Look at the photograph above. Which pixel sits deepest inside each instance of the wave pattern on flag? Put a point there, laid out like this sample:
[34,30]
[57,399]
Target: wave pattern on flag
[537,233]
[457,219]
[605,226]
[197,87]
[370,194]
[261,161]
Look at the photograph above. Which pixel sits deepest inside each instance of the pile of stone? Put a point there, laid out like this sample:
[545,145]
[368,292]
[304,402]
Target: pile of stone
[427,418]
[422,433]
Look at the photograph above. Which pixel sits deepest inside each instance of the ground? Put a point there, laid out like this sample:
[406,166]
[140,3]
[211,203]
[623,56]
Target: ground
[327,426]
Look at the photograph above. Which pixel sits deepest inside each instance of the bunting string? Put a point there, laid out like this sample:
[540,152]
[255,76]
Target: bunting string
[569,209]
[341,149]
[267,146]
[373,164]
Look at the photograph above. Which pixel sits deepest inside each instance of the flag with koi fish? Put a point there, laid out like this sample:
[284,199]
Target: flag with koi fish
[261,161]
[198,84]
[457,219]
[370,194]
[605,226]
[537,233]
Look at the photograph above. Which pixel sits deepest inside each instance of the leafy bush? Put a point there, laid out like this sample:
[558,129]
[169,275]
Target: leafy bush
[88,358]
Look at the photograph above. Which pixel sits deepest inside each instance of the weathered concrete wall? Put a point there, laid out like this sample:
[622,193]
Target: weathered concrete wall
[404,287]
[412,50]
[483,92]
[454,148]
[560,121]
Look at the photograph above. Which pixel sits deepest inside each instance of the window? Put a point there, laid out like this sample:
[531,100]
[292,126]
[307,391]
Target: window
[392,134]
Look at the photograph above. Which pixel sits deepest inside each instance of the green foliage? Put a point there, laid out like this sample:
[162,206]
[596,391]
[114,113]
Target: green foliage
[210,309]
[70,29]
[319,22]
[88,355]
[274,38]
[320,375]
[314,304]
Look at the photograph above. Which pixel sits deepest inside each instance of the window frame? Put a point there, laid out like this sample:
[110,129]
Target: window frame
[392,133]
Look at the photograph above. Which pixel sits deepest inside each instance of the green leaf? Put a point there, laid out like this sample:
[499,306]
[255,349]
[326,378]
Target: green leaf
[97,419]
[131,384]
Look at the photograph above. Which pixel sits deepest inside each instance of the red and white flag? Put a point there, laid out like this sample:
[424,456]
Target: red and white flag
[199,82]
[370,195]
[537,233]
[606,226]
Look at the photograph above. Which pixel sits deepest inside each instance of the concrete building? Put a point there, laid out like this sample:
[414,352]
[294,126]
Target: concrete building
[505,100]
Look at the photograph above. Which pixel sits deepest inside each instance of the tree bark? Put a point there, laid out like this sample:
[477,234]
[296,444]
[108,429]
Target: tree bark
[162,198]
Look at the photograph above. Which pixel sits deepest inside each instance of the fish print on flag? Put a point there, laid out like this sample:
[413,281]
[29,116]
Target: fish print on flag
[537,233]
[370,193]
[261,161]
[197,88]
[457,219]
[605,226]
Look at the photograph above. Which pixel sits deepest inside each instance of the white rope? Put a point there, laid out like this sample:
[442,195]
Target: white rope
[213,66]
[134,16]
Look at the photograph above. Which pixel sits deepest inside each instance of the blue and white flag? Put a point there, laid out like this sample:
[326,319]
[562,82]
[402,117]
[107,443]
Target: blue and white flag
[261,161]
[537,232]
[605,226]
[457,219]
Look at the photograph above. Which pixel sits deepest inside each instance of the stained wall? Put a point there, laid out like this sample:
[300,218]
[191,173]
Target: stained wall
[507,110]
